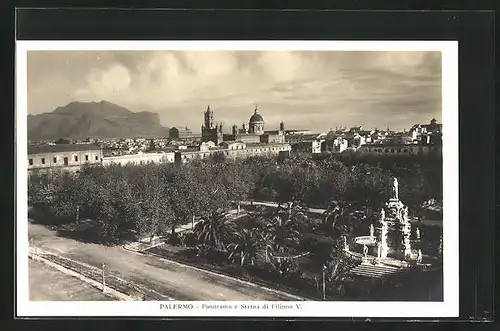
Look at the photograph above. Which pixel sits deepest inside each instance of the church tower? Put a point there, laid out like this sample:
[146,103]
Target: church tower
[209,119]
[210,131]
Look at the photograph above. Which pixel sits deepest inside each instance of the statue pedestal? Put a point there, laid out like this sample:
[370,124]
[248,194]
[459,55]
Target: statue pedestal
[395,229]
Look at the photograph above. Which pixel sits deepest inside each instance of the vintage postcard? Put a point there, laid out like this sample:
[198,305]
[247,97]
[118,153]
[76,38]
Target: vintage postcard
[237,178]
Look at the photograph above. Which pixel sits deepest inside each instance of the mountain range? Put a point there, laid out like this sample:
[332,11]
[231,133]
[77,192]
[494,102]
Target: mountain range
[79,120]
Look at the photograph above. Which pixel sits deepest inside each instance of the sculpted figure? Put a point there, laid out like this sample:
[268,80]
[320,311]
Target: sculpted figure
[419,256]
[407,243]
[395,188]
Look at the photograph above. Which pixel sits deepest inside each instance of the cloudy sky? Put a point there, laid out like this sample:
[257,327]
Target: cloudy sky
[315,90]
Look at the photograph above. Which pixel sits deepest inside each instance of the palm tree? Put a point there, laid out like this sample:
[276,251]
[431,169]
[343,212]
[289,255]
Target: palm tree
[337,272]
[282,230]
[248,246]
[214,230]
[338,212]
[267,243]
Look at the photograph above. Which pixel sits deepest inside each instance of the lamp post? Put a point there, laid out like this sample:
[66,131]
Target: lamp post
[103,279]
[324,282]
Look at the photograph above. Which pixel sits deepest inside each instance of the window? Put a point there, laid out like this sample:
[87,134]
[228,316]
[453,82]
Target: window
[43,160]
[76,158]
[54,159]
[386,150]
[86,157]
[30,161]
[392,150]
[97,158]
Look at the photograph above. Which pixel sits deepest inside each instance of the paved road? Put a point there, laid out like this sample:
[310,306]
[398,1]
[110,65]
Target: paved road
[49,284]
[171,279]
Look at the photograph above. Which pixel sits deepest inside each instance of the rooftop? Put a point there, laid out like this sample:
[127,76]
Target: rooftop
[38,149]
[397,144]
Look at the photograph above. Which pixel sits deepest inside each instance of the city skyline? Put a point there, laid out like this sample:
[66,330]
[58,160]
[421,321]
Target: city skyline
[306,89]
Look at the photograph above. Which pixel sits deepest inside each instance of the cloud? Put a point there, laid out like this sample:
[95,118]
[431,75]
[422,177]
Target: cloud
[305,89]
[114,81]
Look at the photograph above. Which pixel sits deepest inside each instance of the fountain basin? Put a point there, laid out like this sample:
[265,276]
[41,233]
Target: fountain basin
[366,241]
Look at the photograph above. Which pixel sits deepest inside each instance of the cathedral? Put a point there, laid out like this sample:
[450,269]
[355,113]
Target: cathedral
[209,130]
[253,134]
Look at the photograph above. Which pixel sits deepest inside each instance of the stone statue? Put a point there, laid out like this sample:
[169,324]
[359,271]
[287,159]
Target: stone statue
[419,256]
[382,214]
[365,251]
[417,233]
[395,189]
[383,231]
[404,214]
[372,230]
[346,246]
[407,243]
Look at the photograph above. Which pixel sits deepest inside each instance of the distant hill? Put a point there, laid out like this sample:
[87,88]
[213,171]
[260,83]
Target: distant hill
[103,119]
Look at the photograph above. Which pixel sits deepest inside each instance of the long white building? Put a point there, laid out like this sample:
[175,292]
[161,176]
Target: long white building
[138,159]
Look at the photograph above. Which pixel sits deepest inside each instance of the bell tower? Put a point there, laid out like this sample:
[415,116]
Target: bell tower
[282,126]
[209,119]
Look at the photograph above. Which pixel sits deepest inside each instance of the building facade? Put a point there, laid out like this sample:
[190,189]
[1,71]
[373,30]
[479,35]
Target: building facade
[139,159]
[335,144]
[63,156]
[256,123]
[426,133]
[400,150]
[313,147]
[233,149]
[180,134]
[253,134]
[209,130]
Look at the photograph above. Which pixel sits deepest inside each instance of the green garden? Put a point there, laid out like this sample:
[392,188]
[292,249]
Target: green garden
[285,246]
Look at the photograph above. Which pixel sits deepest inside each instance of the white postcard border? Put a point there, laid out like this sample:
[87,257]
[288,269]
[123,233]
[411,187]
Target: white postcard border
[448,308]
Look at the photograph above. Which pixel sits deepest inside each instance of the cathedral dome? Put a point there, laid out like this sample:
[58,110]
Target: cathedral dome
[256,117]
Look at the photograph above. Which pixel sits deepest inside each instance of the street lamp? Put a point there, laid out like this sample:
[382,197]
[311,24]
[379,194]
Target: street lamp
[324,282]
[103,279]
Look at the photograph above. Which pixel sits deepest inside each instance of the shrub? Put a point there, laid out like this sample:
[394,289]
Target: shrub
[287,270]
[174,239]
[211,254]
[187,239]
